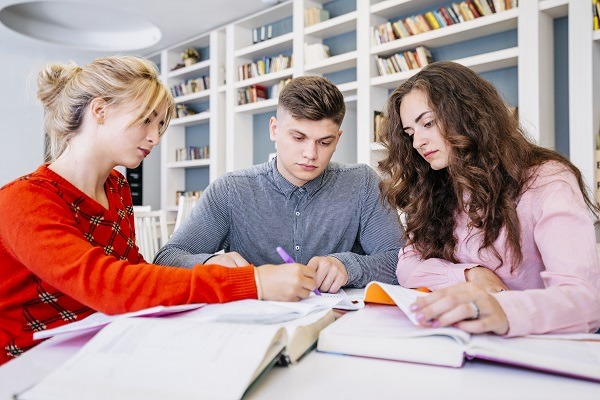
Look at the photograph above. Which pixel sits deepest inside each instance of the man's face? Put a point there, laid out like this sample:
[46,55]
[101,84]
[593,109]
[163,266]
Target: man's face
[304,147]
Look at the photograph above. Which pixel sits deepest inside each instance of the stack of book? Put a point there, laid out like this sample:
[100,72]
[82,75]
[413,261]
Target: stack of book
[434,19]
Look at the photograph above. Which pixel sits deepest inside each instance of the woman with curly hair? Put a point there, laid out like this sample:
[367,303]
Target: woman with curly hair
[500,229]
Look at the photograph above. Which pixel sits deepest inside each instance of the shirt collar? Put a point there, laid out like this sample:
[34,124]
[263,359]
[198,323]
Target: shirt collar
[287,188]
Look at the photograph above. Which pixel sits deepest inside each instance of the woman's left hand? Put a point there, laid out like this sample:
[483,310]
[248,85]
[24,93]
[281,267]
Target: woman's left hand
[465,305]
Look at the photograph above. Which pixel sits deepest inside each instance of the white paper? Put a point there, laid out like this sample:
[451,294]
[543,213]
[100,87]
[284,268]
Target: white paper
[97,320]
[160,359]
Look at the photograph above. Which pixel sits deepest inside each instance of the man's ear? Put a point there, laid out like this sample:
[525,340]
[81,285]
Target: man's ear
[273,128]
[340,133]
[98,109]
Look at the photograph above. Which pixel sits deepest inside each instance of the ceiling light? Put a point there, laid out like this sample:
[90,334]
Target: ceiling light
[80,25]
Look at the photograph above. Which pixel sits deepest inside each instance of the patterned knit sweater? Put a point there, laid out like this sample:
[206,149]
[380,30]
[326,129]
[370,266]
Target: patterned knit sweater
[64,256]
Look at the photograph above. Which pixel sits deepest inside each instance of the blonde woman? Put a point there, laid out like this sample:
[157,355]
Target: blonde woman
[67,241]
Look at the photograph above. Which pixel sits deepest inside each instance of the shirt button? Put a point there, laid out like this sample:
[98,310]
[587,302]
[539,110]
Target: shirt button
[297,247]
[297,213]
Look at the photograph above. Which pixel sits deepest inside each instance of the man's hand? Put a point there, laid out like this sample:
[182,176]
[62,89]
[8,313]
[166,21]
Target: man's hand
[232,260]
[331,273]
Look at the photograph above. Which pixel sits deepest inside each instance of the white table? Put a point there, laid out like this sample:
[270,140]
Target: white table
[343,377]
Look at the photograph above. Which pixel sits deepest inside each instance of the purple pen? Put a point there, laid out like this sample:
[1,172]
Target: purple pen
[289,260]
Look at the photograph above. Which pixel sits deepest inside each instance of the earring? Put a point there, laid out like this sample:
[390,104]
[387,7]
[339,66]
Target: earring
[100,121]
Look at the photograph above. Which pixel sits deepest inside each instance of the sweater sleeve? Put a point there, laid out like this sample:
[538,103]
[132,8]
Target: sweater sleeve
[204,232]
[433,273]
[565,239]
[39,230]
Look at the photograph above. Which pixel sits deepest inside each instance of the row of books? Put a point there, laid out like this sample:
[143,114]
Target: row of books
[252,94]
[192,153]
[264,66]
[255,93]
[314,15]
[444,16]
[262,33]
[187,193]
[404,61]
[191,86]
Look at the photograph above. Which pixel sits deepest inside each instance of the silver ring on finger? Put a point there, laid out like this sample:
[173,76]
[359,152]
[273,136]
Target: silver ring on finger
[475,310]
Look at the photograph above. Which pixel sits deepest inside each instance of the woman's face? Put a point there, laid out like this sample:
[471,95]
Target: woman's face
[419,122]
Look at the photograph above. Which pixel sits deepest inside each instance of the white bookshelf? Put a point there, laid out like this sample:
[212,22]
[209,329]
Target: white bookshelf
[584,89]
[231,125]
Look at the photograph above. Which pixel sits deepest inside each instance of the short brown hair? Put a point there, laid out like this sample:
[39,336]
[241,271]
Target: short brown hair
[314,98]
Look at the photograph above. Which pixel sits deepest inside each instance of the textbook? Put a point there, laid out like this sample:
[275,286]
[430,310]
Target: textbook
[386,332]
[178,357]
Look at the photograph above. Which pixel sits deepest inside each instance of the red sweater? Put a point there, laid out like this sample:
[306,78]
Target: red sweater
[64,256]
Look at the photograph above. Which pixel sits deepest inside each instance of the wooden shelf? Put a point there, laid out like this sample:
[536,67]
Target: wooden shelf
[334,63]
[189,120]
[333,27]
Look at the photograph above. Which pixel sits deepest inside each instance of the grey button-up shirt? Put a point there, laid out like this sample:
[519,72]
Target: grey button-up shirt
[253,211]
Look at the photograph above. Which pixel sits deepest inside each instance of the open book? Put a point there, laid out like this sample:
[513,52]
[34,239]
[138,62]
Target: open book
[177,357]
[386,332]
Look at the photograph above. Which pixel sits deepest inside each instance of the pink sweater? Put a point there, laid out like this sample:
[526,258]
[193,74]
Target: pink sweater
[556,288]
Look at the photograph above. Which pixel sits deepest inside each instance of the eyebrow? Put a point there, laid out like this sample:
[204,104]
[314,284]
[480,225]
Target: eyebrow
[417,119]
[303,134]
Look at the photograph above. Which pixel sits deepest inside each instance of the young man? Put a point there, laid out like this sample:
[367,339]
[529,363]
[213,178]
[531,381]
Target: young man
[323,214]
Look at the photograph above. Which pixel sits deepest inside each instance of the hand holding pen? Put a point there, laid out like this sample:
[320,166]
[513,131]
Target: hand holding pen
[289,260]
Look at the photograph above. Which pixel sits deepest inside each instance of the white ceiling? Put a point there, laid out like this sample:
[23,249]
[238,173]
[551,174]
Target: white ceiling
[177,20]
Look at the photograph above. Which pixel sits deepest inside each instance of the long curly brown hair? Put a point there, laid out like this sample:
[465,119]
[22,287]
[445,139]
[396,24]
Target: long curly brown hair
[491,161]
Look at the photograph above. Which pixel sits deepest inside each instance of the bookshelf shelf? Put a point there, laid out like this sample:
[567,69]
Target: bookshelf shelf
[192,70]
[334,63]
[333,27]
[266,79]
[499,22]
[348,89]
[596,35]
[190,120]
[393,8]
[555,8]
[268,16]
[193,97]
[205,162]
[258,107]
[480,63]
[271,46]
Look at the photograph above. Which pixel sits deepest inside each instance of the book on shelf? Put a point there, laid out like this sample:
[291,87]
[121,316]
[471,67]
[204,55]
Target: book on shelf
[386,329]
[378,121]
[187,193]
[314,15]
[252,94]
